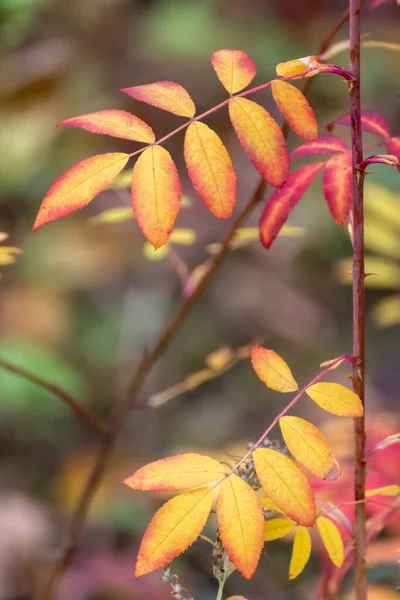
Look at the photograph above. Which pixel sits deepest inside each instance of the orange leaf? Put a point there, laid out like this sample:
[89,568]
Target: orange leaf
[156,194]
[261,139]
[272,370]
[288,487]
[295,108]
[241,524]
[310,447]
[117,123]
[338,186]
[176,473]
[210,169]
[282,202]
[234,69]
[174,527]
[79,185]
[301,551]
[332,540]
[336,399]
[166,95]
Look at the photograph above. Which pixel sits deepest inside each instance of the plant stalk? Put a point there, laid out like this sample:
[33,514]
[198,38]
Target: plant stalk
[358,302]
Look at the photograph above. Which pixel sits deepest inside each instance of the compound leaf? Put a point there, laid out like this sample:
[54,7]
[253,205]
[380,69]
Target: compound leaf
[167,95]
[338,182]
[156,194]
[241,524]
[234,69]
[277,528]
[370,121]
[117,123]
[79,185]
[272,370]
[324,144]
[176,473]
[288,487]
[301,552]
[210,169]
[174,527]
[332,540]
[309,447]
[261,139]
[336,399]
[295,108]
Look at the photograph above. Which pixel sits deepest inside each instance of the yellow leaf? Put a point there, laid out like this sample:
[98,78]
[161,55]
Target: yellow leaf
[174,527]
[332,540]
[185,237]
[269,504]
[277,528]
[288,487]
[336,399]
[273,370]
[155,254]
[301,552]
[241,524]
[310,447]
[176,473]
[119,214]
[386,490]
[386,311]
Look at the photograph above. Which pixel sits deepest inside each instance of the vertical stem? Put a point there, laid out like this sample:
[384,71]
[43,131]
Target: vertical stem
[220,589]
[358,301]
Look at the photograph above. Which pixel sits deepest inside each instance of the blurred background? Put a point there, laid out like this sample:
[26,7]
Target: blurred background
[87,297]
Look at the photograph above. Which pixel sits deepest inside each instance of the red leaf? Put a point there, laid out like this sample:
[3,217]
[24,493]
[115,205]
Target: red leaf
[166,95]
[261,138]
[370,121]
[234,69]
[338,186]
[117,123]
[210,169]
[324,144]
[79,185]
[284,200]
[393,146]
[295,108]
[156,194]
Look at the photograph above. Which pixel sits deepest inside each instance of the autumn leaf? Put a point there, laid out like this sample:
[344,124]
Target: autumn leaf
[338,182]
[167,95]
[288,487]
[261,139]
[241,524]
[386,490]
[277,528]
[310,447]
[324,144]
[336,399]
[79,185]
[393,146]
[176,473]
[234,69]
[156,194]
[210,169]
[370,121]
[117,123]
[296,66]
[269,505]
[295,108]
[332,540]
[301,552]
[272,370]
[283,201]
[174,527]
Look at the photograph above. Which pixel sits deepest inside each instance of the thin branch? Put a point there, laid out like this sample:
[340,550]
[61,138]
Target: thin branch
[85,415]
[148,361]
[360,541]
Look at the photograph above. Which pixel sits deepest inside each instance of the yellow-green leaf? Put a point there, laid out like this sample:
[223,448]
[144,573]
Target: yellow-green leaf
[336,399]
[332,540]
[301,551]
[386,490]
[119,214]
[273,370]
[241,524]
[174,527]
[310,447]
[277,528]
[288,487]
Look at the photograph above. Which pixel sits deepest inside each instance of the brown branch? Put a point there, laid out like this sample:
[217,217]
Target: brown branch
[360,536]
[148,361]
[85,415]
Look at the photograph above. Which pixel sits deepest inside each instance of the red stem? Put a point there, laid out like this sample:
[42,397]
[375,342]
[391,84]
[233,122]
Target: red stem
[358,302]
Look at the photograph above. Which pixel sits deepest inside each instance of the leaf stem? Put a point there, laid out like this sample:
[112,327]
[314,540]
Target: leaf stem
[358,302]
[220,589]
